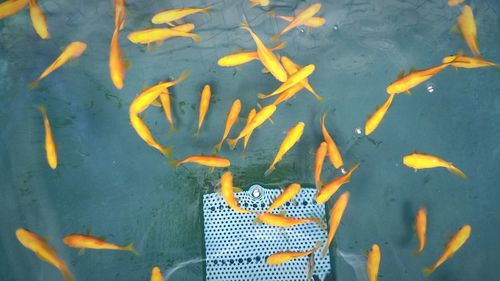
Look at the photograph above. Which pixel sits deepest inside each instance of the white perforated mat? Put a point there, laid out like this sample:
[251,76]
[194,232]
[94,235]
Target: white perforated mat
[236,248]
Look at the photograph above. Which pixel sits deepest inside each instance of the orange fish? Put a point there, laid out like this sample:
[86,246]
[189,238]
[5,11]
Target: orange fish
[227,190]
[288,194]
[414,78]
[292,80]
[376,118]
[204,105]
[459,60]
[50,146]
[421,228]
[282,257]
[148,36]
[171,15]
[288,94]
[38,20]
[280,220]
[451,248]
[116,63]
[232,117]
[260,117]
[419,161]
[312,22]
[165,103]
[43,251]
[251,115]
[299,19]
[145,134]
[262,3]
[318,163]
[336,213]
[330,188]
[73,50]
[85,241]
[333,151]
[156,274]
[10,7]
[291,138]
[291,68]
[240,58]
[373,263]
[209,161]
[467,26]
[452,3]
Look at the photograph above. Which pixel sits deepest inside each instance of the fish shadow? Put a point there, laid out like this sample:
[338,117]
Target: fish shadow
[407,217]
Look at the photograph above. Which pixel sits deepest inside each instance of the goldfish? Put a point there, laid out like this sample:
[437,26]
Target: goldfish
[330,188]
[291,138]
[209,161]
[333,151]
[260,117]
[266,56]
[263,3]
[467,25]
[292,68]
[148,36]
[419,161]
[11,7]
[244,57]
[50,146]
[292,80]
[450,248]
[421,228]
[373,263]
[204,105]
[165,103]
[73,50]
[116,63]
[156,274]
[376,118]
[251,115]
[312,22]
[43,251]
[288,194]
[280,220]
[145,134]
[85,241]
[171,15]
[459,60]
[336,213]
[452,3]
[282,257]
[38,20]
[414,78]
[288,94]
[232,117]
[120,13]
[299,19]
[318,163]
[227,190]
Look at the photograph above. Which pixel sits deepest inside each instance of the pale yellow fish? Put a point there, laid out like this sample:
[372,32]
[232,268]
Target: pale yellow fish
[282,257]
[376,118]
[251,115]
[331,187]
[145,134]
[299,19]
[262,3]
[260,117]
[227,190]
[240,58]
[373,263]
[312,22]
[205,96]
[11,7]
[232,117]
[116,63]
[318,164]
[156,274]
[280,220]
[209,161]
[266,56]
[414,78]
[171,15]
[336,213]
[43,251]
[421,229]
[50,146]
[333,151]
[73,50]
[419,161]
[452,3]
[288,94]
[38,20]
[288,194]
[462,61]
[292,68]
[165,103]
[292,80]
[148,36]
[85,241]
[467,26]
[455,243]
[291,138]
[120,13]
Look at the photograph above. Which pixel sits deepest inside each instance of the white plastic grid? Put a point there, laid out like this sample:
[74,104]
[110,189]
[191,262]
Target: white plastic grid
[236,248]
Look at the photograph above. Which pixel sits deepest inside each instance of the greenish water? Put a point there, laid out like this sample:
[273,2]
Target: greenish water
[109,180]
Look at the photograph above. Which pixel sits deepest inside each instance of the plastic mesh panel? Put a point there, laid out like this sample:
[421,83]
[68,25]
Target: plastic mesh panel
[237,248]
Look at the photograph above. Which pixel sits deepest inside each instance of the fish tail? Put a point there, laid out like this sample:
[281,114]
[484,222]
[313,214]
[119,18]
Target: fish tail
[172,129]
[275,38]
[33,84]
[325,249]
[218,146]
[196,38]
[244,25]
[42,108]
[174,163]
[254,3]
[456,171]
[166,151]
[232,142]
[428,270]
[185,74]
[206,10]
[269,171]
[262,96]
[197,134]
[271,13]
[417,253]
[320,223]
[280,46]
[130,248]
[67,275]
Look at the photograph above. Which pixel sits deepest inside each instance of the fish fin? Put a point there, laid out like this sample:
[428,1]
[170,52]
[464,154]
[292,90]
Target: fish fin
[320,223]
[33,84]
[237,189]
[275,37]
[264,70]
[42,108]
[280,46]
[257,221]
[156,103]
[183,76]
[269,171]
[130,248]
[166,151]
[218,146]
[128,64]
[412,69]
[197,133]
[232,142]
[88,231]
[253,3]
[407,92]
[427,271]
[262,96]
[196,38]
[417,253]
[211,169]
[325,249]
[170,24]
[456,29]
[174,163]
[456,171]
[81,252]
[282,213]
[244,25]
[172,129]
[67,274]
[271,13]
[401,74]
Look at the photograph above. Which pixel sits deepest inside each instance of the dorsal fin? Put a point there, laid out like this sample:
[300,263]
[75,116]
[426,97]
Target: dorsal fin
[401,74]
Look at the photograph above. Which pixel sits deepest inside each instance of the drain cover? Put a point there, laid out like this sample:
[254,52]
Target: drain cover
[236,248]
